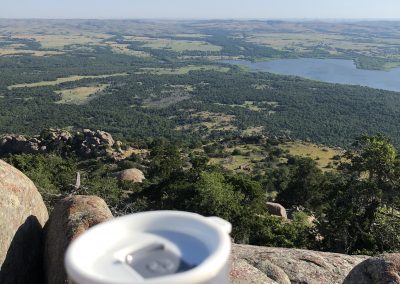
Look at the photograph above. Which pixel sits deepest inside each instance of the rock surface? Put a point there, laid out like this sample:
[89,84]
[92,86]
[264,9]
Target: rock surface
[276,209]
[133,175]
[384,269]
[89,143]
[252,264]
[71,217]
[22,217]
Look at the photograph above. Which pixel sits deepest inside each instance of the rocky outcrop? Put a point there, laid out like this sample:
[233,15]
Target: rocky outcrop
[22,216]
[88,143]
[132,175]
[252,264]
[384,269]
[276,209]
[71,217]
[94,143]
[19,144]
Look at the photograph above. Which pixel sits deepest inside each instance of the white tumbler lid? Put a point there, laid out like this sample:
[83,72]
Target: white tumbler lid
[151,247]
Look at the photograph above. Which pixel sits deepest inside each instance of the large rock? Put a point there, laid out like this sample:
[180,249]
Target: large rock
[276,209]
[70,218]
[89,143]
[384,269]
[252,264]
[22,216]
[18,144]
[133,175]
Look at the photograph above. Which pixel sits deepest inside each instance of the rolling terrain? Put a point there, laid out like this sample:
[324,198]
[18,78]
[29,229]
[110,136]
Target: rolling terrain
[147,79]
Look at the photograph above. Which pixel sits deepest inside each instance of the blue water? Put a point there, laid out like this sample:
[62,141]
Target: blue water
[328,70]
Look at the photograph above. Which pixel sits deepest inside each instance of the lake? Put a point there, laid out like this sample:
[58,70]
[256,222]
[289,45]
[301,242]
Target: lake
[327,70]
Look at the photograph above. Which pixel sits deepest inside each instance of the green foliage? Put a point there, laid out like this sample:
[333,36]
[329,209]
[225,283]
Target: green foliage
[355,220]
[52,174]
[375,156]
[214,196]
[356,207]
[271,231]
[303,186]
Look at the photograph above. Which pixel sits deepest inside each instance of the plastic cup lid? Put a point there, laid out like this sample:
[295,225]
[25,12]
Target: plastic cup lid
[150,247]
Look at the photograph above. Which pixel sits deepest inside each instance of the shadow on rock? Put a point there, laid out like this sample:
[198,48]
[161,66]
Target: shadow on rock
[24,259]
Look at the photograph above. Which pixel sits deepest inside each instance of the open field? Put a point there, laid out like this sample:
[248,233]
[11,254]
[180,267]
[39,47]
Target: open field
[14,52]
[333,43]
[79,95]
[63,80]
[322,155]
[177,45]
[191,35]
[123,49]
[253,131]
[215,121]
[249,156]
[369,52]
[255,106]
[172,94]
[210,121]
[183,70]
[60,41]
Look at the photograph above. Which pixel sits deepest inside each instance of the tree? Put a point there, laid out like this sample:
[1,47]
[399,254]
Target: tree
[358,218]
[303,185]
[375,156]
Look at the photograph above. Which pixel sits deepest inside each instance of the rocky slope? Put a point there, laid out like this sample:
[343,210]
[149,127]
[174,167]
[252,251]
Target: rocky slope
[88,143]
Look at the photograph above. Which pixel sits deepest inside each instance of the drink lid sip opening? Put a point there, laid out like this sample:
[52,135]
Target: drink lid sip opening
[152,247]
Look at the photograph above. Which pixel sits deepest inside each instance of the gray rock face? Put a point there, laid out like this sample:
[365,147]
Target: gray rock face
[276,209]
[22,216]
[19,144]
[97,143]
[71,217]
[88,143]
[252,264]
[384,269]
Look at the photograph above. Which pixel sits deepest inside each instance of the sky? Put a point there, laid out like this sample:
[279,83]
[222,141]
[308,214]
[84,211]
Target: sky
[201,9]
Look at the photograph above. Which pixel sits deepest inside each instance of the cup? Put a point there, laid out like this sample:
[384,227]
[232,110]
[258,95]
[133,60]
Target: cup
[152,247]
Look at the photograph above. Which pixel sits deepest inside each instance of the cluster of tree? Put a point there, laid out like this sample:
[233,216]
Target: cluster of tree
[356,207]
[325,113]
[322,112]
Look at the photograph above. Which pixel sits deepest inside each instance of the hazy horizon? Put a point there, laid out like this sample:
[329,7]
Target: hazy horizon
[204,10]
[214,19]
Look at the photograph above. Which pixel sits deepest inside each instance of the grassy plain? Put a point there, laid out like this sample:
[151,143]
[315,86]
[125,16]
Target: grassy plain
[249,156]
[183,70]
[39,53]
[322,155]
[178,45]
[191,35]
[63,80]
[123,49]
[253,131]
[255,106]
[210,121]
[79,95]
[60,41]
